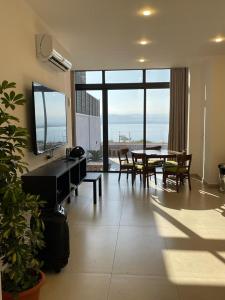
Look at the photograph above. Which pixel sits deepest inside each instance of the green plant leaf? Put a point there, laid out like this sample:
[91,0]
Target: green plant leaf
[18,239]
[18,97]
[11,85]
[7,96]
[12,95]
[4,84]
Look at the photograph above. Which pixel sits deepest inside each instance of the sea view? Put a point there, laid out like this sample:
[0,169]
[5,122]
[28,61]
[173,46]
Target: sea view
[118,132]
[155,132]
[54,134]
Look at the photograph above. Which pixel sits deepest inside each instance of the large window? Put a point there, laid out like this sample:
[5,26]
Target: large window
[125,122]
[124,76]
[117,109]
[162,75]
[157,117]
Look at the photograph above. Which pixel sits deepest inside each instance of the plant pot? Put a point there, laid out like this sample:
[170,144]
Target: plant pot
[31,294]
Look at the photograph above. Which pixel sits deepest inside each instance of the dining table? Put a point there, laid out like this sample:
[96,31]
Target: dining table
[163,153]
[160,154]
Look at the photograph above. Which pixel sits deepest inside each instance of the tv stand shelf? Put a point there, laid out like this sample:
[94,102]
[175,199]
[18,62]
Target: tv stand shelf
[53,181]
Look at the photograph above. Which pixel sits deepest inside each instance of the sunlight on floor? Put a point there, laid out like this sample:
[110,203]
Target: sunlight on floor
[209,194]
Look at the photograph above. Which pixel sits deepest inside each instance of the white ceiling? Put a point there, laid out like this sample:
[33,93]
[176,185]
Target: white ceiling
[102,34]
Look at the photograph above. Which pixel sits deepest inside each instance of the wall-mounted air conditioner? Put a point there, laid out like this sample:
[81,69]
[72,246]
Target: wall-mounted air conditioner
[48,50]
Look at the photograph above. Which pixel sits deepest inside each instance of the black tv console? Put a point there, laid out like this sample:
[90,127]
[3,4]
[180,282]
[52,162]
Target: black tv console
[54,181]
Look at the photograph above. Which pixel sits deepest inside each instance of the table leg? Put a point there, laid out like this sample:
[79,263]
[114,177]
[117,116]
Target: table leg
[94,192]
[100,186]
[144,178]
[133,177]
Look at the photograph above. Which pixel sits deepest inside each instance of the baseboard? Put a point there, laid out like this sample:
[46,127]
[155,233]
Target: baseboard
[210,185]
[196,176]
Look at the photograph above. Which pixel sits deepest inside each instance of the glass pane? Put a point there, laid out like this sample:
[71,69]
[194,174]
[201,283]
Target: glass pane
[157,117]
[127,76]
[40,121]
[51,130]
[89,127]
[56,119]
[88,77]
[161,75]
[125,122]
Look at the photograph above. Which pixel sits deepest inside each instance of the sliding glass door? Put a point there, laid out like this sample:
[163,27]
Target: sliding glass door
[125,122]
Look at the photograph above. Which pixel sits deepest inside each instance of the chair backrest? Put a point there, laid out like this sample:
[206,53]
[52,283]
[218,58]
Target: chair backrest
[184,161]
[176,154]
[122,155]
[138,158]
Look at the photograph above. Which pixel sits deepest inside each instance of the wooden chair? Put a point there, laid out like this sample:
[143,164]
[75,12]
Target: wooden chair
[180,170]
[155,162]
[125,165]
[143,168]
[173,160]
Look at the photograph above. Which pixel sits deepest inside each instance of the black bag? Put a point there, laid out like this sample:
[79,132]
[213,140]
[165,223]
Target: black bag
[77,152]
[56,252]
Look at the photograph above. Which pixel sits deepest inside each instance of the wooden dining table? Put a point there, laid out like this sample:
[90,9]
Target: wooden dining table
[160,154]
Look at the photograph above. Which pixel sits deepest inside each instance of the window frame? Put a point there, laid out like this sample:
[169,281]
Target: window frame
[104,87]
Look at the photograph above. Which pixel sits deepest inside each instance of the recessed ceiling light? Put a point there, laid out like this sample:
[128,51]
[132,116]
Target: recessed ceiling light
[146,12]
[143,42]
[141,60]
[218,39]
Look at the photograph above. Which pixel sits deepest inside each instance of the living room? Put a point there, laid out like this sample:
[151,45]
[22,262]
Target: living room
[115,47]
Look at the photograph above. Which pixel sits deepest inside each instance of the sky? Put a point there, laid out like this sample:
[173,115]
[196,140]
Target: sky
[126,106]
[128,76]
[55,107]
[122,102]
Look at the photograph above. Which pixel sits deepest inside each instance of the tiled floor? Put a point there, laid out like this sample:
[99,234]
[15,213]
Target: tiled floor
[137,244]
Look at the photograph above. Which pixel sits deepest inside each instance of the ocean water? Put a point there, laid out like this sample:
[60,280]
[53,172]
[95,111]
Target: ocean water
[157,133]
[54,134]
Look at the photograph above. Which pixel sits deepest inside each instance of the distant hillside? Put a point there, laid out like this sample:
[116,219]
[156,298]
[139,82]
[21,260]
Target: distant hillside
[138,119]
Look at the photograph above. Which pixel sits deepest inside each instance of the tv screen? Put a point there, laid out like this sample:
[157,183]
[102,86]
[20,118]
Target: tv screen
[50,129]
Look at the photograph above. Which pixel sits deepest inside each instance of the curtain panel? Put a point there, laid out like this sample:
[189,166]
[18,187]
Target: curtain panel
[178,109]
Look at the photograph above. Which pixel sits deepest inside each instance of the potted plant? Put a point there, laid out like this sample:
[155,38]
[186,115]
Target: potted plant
[21,233]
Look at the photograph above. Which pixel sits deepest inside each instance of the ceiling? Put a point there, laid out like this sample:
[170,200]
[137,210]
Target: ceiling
[103,34]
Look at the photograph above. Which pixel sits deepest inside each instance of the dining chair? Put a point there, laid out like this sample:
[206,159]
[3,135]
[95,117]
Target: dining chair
[180,170]
[143,168]
[173,160]
[125,165]
[156,162]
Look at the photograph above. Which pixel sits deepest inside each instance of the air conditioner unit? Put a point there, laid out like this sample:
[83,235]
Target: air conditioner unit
[48,50]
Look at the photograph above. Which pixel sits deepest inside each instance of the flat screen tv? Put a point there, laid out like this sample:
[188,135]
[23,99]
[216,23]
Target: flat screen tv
[50,127]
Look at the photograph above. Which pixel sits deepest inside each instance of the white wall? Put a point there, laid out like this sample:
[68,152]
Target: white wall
[196,118]
[88,132]
[18,62]
[207,147]
[215,118]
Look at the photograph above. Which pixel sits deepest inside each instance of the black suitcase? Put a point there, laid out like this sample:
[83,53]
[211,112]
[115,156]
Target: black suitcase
[56,252]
